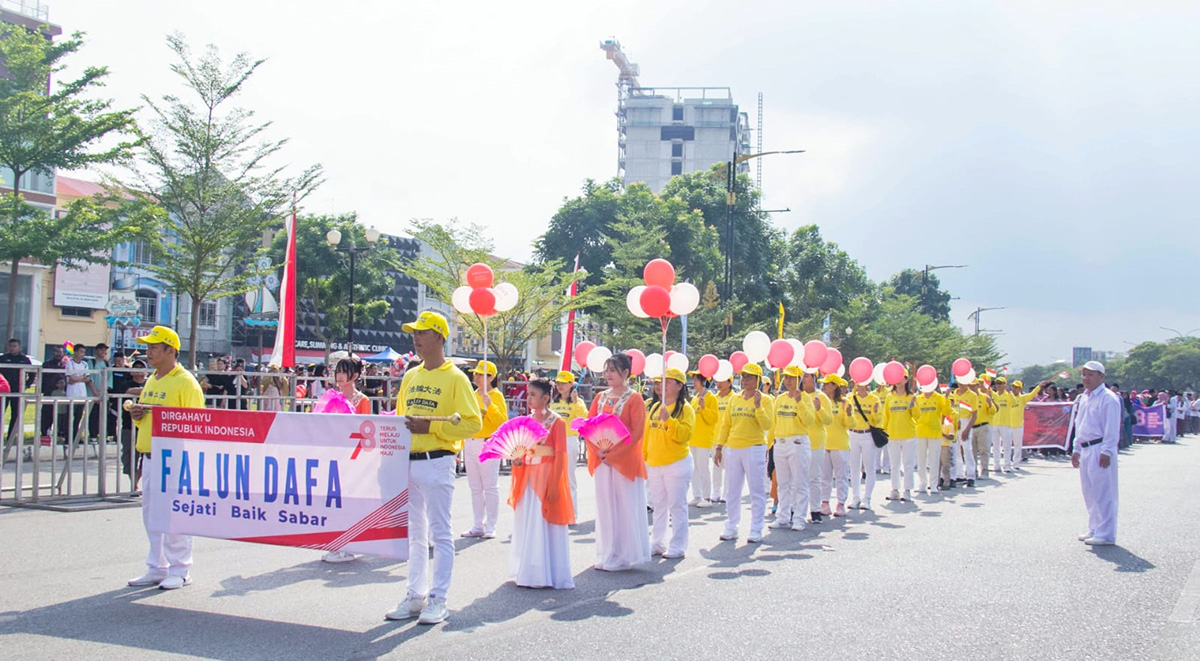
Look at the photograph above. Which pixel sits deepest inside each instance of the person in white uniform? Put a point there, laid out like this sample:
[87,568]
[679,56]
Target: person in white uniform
[1096,419]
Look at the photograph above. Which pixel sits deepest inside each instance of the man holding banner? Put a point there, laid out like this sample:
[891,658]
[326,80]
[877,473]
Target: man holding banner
[170,558]
[442,410]
[1097,424]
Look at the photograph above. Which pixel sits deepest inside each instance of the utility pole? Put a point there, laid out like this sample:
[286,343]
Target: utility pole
[925,282]
[976,314]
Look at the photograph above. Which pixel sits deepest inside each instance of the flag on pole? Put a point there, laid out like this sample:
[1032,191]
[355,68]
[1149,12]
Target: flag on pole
[965,406]
[568,347]
[781,314]
[284,352]
[991,373]
[1064,375]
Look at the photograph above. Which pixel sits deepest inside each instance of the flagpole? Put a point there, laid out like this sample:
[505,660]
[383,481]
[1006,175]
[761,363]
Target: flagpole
[569,337]
[283,353]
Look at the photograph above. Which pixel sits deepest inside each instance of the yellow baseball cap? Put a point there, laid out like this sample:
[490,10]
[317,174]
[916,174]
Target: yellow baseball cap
[753,369]
[161,335]
[485,367]
[676,375]
[792,370]
[1018,384]
[565,377]
[429,321]
[835,380]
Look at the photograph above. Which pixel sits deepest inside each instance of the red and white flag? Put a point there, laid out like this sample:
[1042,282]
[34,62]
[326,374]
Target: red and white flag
[284,353]
[1064,375]
[568,341]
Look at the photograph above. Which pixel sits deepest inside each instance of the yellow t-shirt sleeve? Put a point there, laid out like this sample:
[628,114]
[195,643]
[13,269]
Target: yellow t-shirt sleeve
[765,414]
[709,413]
[466,404]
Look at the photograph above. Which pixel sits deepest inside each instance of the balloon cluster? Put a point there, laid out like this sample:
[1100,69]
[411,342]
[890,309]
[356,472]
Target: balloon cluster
[813,357]
[862,371]
[660,297]
[480,297]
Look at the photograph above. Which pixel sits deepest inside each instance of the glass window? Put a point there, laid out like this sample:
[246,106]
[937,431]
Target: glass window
[83,313]
[677,113]
[148,305]
[24,295]
[677,150]
[141,252]
[208,314]
[676,167]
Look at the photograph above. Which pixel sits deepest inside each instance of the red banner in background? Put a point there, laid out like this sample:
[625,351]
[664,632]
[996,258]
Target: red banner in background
[1046,425]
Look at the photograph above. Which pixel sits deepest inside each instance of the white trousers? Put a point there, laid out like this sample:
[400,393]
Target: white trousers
[1002,449]
[814,480]
[836,468]
[718,481]
[1018,438]
[430,493]
[572,464]
[902,454]
[793,456]
[484,479]
[668,496]
[170,554]
[746,466]
[929,459]
[702,472]
[1099,493]
[862,459]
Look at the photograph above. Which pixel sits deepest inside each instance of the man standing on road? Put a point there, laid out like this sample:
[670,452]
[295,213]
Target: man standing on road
[1096,420]
[170,559]
[15,357]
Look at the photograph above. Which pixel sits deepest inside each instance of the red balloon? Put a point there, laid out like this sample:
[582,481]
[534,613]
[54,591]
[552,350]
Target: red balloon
[708,365]
[738,359]
[926,374]
[861,369]
[483,301]
[656,301]
[637,362]
[480,275]
[581,352]
[814,353]
[893,373]
[961,367]
[659,273]
[781,353]
[833,359]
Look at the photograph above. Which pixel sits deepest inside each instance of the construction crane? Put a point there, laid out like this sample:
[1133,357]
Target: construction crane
[627,83]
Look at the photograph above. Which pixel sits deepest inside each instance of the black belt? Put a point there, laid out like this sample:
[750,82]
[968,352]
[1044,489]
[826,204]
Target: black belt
[1088,444]
[982,424]
[435,454]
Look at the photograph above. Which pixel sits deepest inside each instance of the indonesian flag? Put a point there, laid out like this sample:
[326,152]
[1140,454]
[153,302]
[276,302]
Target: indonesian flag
[284,353]
[965,406]
[1064,375]
[991,373]
[568,341]
[1004,370]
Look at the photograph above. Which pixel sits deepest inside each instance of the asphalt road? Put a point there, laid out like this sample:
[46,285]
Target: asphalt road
[989,573]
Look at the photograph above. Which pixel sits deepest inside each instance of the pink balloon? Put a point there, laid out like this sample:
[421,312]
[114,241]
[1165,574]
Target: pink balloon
[637,362]
[581,352]
[781,354]
[814,353]
[483,301]
[861,369]
[708,365]
[659,272]
[480,275]
[667,356]
[961,367]
[656,301]
[833,359]
[926,374]
[893,373]
[738,359]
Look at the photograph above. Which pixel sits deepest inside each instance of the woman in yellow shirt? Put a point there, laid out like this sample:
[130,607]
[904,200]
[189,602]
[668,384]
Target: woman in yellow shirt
[794,416]
[707,410]
[1017,418]
[930,408]
[902,432]
[835,468]
[861,413]
[568,406]
[816,439]
[484,477]
[724,395]
[669,424]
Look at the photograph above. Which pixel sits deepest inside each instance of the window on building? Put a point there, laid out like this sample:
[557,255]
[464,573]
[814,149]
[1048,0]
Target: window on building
[676,168]
[141,252]
[678,133]
[677,150]
[208,314]
[677,114]
[82,313]
[148,304]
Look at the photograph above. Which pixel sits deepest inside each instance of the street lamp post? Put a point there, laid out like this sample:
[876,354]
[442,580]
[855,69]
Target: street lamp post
[975,315]
[1187,334]
[925,281]
[334,237]
[730,200]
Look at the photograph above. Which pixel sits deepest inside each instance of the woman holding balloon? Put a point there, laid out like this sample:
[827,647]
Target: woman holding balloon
[861,413]
[835,468]
[670,420]
[901,428]
[795,417]
[930,409]
[705,406]
[816,437]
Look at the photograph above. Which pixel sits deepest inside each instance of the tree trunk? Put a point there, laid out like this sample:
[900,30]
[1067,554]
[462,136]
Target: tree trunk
[195,326]
[11,326]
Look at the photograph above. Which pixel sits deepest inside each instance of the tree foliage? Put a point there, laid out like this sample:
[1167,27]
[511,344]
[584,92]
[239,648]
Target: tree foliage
[933,301]
[207,165]
[1170,365]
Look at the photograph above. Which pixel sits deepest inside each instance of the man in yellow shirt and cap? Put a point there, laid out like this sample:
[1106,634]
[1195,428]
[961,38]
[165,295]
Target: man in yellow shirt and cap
[741,447]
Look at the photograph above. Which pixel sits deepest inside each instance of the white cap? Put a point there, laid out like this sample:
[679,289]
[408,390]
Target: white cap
[1095,366]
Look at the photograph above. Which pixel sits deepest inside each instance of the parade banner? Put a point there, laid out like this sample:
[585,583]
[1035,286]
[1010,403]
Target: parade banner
[1149,420]
[1046,425]
[320,481]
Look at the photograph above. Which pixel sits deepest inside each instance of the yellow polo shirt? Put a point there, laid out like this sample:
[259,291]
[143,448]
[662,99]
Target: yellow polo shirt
[870,408]
[985,411]
[569,412]
[793,417]
[743,425]
[178,389]
[440,392]
[706,420]
[1017,414]
[929,411]
[898,417]
[666,442]
[837,437]
[957,399]
[494,415]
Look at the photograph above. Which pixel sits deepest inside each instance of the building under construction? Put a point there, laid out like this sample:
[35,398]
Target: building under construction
[668,131]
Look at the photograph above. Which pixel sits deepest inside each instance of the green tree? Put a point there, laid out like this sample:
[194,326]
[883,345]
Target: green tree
[1179,364]
[47,125]
[583,226]
[934,301]
[1140,369]
[324,291]
[207,166]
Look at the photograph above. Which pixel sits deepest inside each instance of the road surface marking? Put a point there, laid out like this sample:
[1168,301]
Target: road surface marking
[1185,608]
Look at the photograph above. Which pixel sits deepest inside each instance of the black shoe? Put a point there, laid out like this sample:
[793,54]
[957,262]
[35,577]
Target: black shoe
[970,483]
[816,517]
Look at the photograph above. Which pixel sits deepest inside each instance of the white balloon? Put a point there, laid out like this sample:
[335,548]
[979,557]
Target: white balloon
[968,378]
[724,371]
[678,362]
[811,370]
[684,298]
[654,365]
[931,387]
[877,374]
[461,300]
[798,353]
[633,301]
[597,357]
[506,296]
[757,345]
[841,370]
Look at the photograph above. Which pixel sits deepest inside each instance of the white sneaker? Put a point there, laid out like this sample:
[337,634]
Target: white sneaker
[658,550]
[1096,541]
[151,578]
[411,607]
[729,536]
[704,504]
[1081,537]
[694,502]
[174,582]
[755,538]
[798,527]
[780,525]
[338,557]
[907,495]
[473,532]
[435,611]
[489,534]
[866,505]
[855,504]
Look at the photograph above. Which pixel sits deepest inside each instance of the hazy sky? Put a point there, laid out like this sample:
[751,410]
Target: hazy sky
[1052,146]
